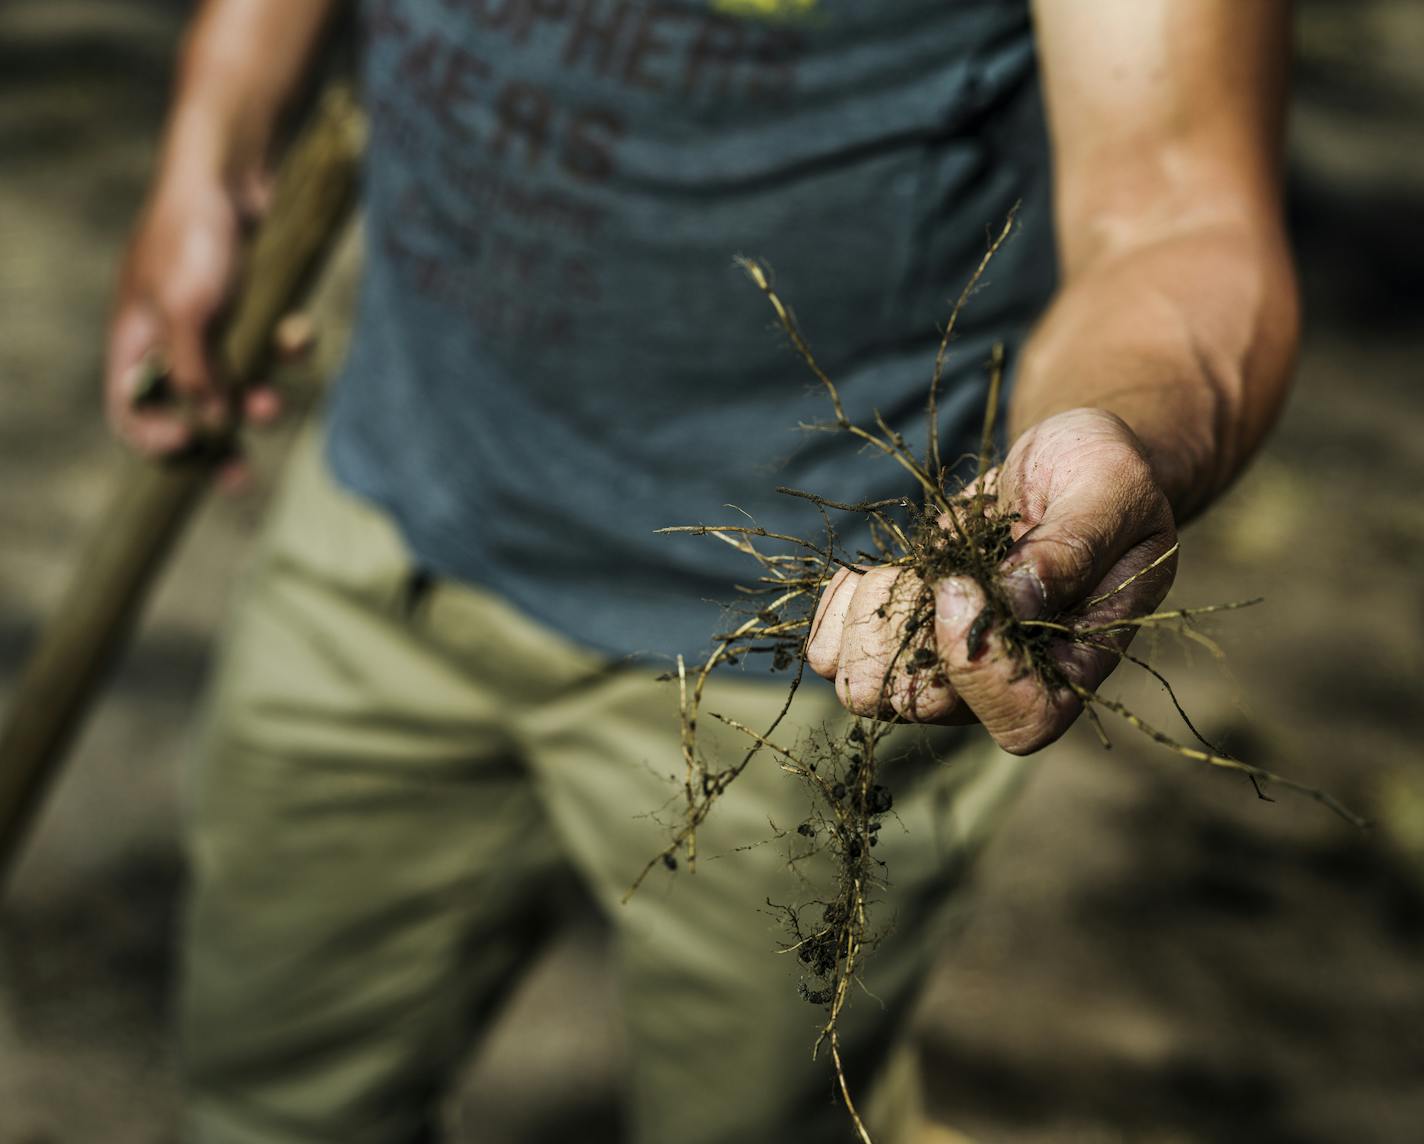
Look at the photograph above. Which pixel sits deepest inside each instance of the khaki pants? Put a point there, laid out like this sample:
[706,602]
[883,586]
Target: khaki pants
[383,796]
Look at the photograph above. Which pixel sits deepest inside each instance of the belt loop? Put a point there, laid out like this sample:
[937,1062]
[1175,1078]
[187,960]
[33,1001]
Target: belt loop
[414,592]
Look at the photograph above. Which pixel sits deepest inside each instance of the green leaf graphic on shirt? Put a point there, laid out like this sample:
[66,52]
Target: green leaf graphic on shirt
[765,9]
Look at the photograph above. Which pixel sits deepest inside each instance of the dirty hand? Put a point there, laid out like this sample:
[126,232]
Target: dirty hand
[1091,515]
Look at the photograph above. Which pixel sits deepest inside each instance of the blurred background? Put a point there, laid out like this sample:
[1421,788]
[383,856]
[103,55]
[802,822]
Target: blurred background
[1155,955]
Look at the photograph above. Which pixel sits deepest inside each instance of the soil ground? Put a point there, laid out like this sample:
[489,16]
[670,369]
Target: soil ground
[1156,955]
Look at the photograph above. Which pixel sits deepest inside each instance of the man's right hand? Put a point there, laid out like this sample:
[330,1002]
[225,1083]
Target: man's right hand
[175,281]
[242,61]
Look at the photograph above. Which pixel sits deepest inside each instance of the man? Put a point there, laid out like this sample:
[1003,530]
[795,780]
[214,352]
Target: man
[437,696]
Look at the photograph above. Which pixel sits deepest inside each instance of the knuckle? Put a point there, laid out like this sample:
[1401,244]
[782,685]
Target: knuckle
[1015,743]
[923,701]
[851,697]
[822,659]
[1075,547]
[173,301]
[1088,667]
[187,379]
[823,646]
[877,584]
[865,694]
[188,301]
[1023,739]
[1037,723]
[1066,555]
[1027,731]
[1144,501]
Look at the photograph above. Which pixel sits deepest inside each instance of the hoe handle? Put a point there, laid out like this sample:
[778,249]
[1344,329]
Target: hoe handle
[314,196]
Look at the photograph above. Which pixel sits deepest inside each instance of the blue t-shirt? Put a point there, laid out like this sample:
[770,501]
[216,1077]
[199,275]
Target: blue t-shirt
[554,353]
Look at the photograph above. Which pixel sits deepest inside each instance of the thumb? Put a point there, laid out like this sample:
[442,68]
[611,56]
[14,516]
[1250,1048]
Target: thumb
[995,679]
[1091,535]
[1084,486]
[1081,540]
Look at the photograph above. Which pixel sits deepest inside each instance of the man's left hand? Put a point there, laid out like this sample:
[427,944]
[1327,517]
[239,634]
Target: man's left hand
[1091,515]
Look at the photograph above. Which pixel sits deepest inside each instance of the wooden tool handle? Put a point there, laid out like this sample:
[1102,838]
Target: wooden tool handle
[313,198]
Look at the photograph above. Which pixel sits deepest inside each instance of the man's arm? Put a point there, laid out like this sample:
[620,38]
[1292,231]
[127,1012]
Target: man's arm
[1155,373]
[1178,308]
[242,61]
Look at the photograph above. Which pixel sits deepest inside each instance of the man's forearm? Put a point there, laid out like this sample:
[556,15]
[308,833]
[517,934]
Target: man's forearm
[1189,339]
[1178,309]
[242,62]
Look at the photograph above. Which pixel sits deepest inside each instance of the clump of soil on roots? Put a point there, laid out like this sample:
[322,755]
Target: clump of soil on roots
[951,526]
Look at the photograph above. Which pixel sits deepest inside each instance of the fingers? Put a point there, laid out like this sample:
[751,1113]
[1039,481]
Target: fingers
[142,344]
[294,337]
[165,336]
[262,405]
[132,356]
[997,682]
[867,645]
[873,636]
[293,341]
[899,637]
[823,647]
[1096,543]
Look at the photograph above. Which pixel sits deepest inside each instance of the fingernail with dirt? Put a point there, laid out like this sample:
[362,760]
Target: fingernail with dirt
[1028,599]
